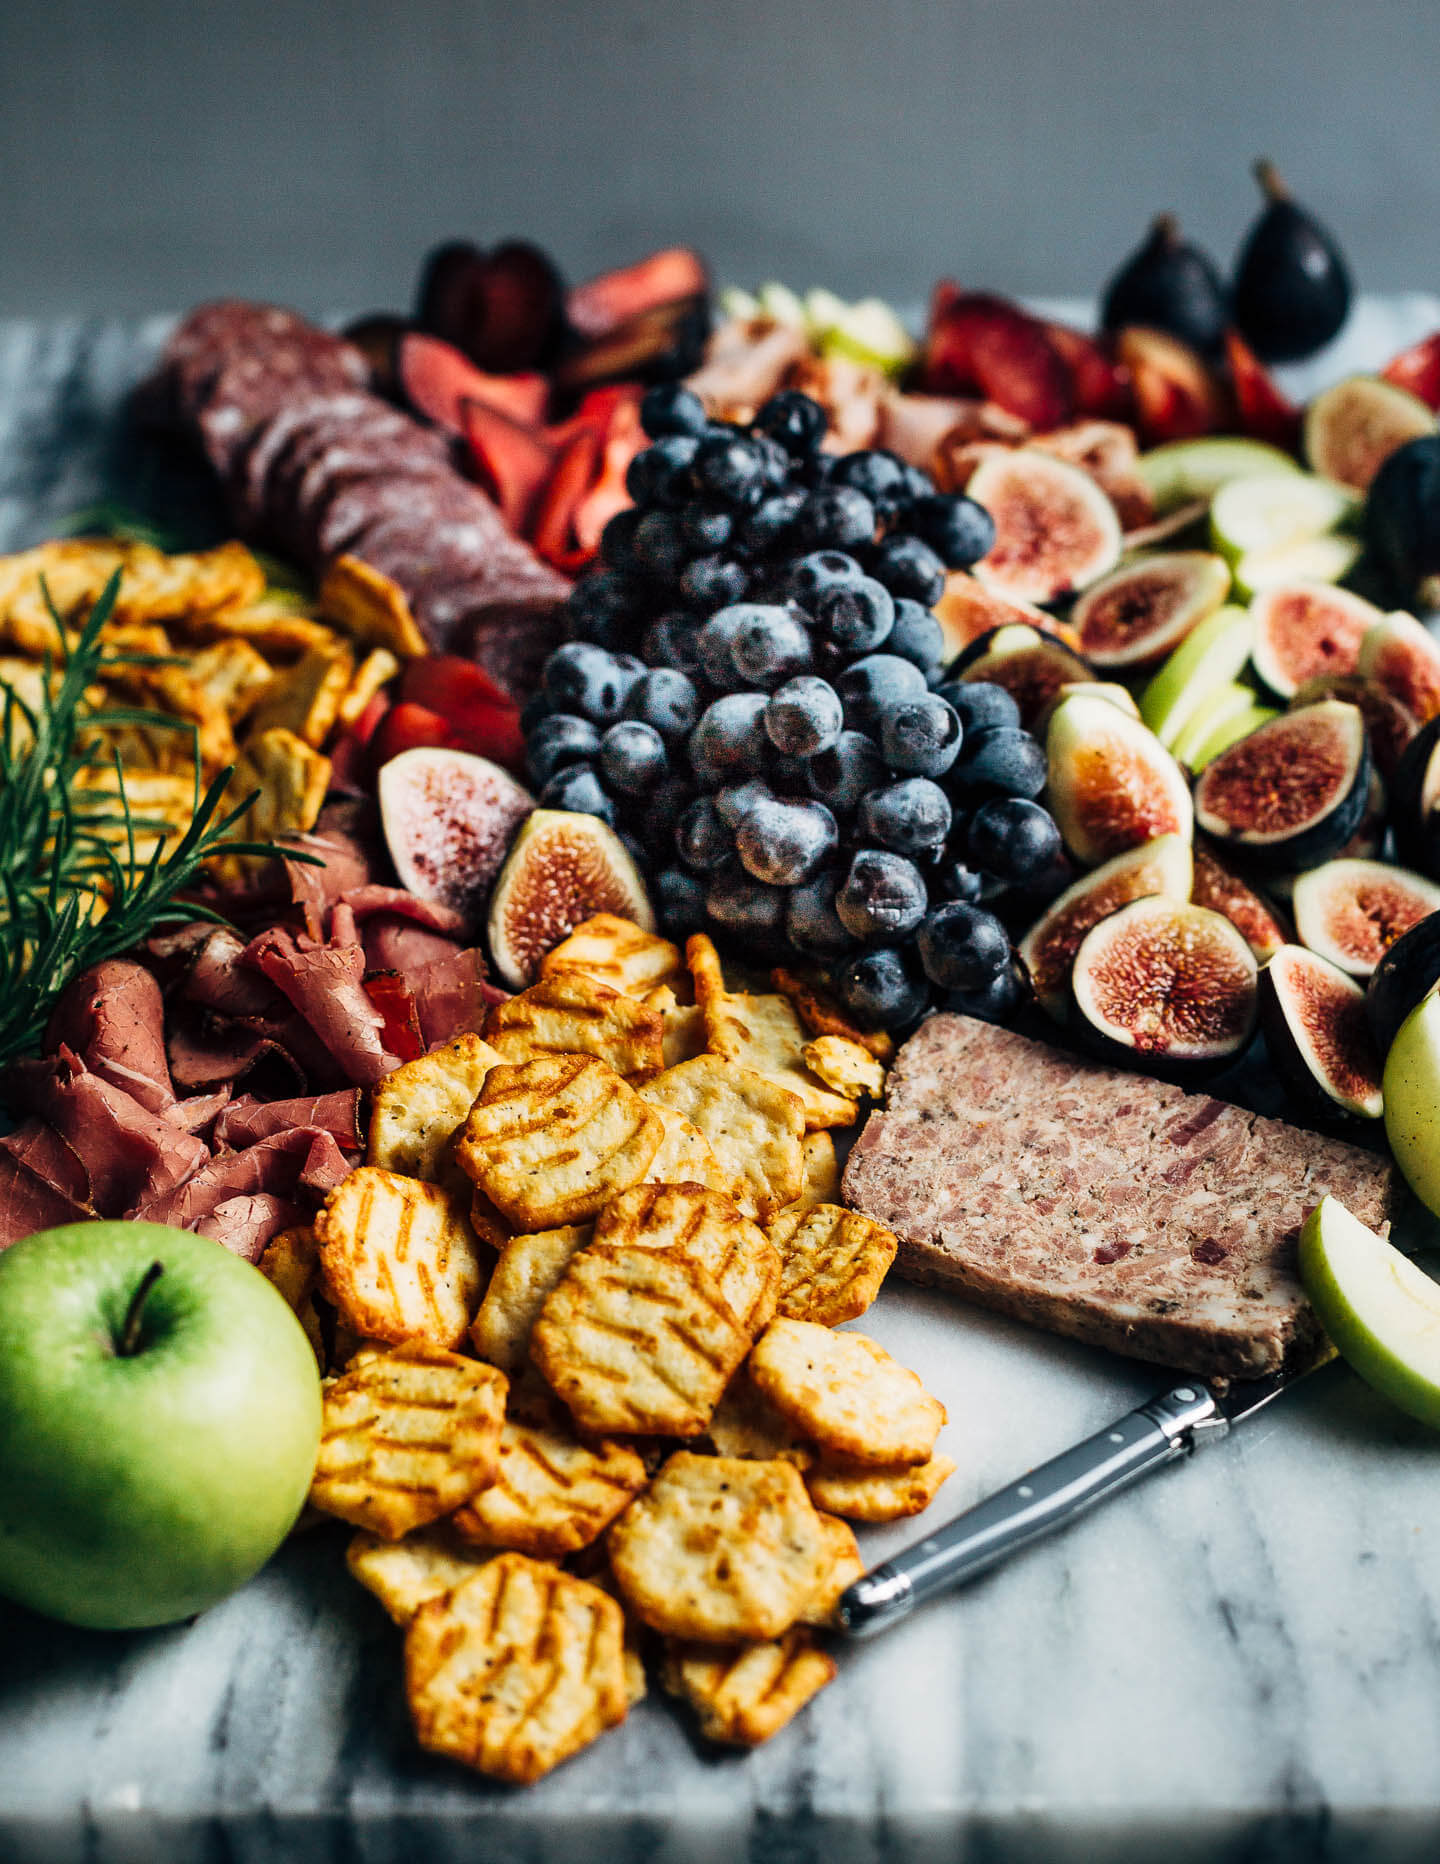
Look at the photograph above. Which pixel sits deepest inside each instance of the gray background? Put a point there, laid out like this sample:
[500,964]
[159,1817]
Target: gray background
[153,152]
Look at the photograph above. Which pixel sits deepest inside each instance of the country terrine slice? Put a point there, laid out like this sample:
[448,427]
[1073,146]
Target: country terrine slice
[1105,1205]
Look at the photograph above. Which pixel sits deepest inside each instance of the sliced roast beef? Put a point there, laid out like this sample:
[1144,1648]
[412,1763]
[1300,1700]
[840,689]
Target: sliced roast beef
[246,1224]
[306,1158]
[326,986]
[247,1119]
[28,1203]
[41,1150]
[451,996]
[113,1017]
[128,1151]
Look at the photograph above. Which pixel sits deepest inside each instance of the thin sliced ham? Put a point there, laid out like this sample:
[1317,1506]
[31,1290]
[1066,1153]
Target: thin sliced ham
[113,1017]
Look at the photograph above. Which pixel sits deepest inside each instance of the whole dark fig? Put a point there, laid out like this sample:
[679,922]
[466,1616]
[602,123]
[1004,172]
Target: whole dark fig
[1402,516]
[1292,286]
[1169,284]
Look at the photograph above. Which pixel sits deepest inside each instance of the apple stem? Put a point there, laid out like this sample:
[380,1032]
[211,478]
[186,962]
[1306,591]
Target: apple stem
[129,1342]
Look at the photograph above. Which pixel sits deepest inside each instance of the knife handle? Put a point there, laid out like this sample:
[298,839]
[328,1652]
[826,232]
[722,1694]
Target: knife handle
[1049,1497]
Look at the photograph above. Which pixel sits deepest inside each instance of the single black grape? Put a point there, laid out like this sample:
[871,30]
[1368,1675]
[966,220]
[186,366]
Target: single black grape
[577,788]
[562,738]
[881,990]
[661,474]
[836,517]
[812,924]
[729,740]
[784,843]
[734,801]
[958,530]
[917,636]
[680,902]
[815,575]
[617,540]
[580,677]
[604,607]
[747,908]
[980,703]
[804,716]
[771,524]
[856,617]
[920,736]
[729,466]
[797,422]
[840,776]
[706,529]
[671,408]
[702,839]
[660,549]
[883,895]
[869,687]
[908,566]
[770,646]
[995,1002]
[672,641]
[880,476]
[961,946]
[712,581]
[911,816]
[1013,839]
[633,757]
[999,761]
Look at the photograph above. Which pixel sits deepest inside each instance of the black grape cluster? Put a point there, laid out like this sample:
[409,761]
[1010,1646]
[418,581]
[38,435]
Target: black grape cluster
[755,696]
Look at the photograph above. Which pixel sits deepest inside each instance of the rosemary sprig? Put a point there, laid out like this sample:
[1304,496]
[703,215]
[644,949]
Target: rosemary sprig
[69,896]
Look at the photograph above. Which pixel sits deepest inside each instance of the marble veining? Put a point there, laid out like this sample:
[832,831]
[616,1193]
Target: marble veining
[1239,1659]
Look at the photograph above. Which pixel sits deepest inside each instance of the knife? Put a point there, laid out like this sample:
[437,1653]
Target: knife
[1161,1431]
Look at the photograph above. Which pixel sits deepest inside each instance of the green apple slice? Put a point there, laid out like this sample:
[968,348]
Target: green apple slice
[1231,730]
[740,304]
[1185,470]
[870,332]
[782,305]
[1314,559]
[1217,708]
[1271,510]
[1382,1312]
[1412,1100]
[1209,657]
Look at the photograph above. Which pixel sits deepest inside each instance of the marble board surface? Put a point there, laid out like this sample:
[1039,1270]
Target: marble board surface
[1238,1660]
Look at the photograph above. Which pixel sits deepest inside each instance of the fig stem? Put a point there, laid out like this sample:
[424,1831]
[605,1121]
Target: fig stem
[129,1342]
[1268,175]
[1165,230]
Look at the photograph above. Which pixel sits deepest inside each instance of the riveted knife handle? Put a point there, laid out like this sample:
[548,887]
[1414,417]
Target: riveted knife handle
[1154,1434]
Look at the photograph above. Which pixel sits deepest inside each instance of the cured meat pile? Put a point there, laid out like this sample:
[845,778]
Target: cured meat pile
[317,467]
[214,1081]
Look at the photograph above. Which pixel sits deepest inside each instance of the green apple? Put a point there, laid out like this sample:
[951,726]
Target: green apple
[1210,656]
[1382,1312]
[1183,471]
[1411,1086]
[1258,516]
[159,1423]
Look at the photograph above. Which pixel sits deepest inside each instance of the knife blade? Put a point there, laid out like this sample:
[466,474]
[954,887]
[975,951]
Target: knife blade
[1161,1431]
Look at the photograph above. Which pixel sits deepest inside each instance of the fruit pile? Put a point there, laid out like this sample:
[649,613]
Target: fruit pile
[754,697]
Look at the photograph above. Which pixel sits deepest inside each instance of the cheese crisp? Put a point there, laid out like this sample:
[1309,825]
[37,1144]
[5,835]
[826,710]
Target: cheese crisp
[407,1436]
[516,1669]
[404,1574]
[529,1268]
[552,1140]
[399,1258]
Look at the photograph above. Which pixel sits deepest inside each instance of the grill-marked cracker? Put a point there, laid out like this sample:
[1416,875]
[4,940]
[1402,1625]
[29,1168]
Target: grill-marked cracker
[832,1264]
[720,1549]
[706,1227]
[861,1492]
[552,1140]
[551,1494]
[745,1694]
[528,1269]
[845,1392]
[516,1669]
[638,1340]
[407,1436]
[399,1258]
[404,1574]
[753,1127]
[616,952]
[570,1013]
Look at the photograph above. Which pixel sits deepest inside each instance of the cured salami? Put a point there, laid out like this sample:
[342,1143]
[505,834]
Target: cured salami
[316,466]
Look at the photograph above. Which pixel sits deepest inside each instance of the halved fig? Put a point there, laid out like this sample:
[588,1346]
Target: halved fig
[1134,616]
[1048,949]
[1166,986]
[1352,912]
[1294,791]
[1176,395]
[1352,428]
[1107,450]
[1317,1036]
[1107,690]
[968,612]
[1030,665]
[1408,971]
[979,341]
[448,818]
[1304,629]
[1403,655]
[1055,530]
[563,868]
[1112,785]
[1215,887]
[1390,725]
